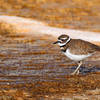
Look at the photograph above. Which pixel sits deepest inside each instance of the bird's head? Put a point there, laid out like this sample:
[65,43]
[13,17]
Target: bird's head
[62,40]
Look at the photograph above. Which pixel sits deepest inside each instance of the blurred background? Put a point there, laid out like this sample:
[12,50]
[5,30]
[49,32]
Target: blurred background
[74,14]
[31,67]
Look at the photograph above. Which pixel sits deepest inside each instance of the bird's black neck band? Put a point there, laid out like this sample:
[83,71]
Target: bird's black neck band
[62,45]
[63,50]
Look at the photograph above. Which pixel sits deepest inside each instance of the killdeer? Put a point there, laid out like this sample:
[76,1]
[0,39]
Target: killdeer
[76,49]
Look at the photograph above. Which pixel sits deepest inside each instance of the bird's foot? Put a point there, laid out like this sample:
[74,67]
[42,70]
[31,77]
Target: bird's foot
[75,72]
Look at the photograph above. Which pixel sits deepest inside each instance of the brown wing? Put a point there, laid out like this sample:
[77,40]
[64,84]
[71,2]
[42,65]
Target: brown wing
[82,47]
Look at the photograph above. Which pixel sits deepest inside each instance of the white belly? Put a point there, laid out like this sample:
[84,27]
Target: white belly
[75,57]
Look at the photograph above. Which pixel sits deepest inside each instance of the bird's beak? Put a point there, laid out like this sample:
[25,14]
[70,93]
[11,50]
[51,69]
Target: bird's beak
[56,42]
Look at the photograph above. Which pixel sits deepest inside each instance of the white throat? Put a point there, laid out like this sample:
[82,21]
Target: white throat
[62,44]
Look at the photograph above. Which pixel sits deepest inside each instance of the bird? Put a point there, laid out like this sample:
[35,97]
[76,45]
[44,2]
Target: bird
[76,49]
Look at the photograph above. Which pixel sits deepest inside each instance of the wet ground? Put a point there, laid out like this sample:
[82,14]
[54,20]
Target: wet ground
[37,60]
[36,66]
[32,68]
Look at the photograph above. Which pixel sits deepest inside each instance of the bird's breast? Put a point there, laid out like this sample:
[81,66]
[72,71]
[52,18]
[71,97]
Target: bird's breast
[76,57]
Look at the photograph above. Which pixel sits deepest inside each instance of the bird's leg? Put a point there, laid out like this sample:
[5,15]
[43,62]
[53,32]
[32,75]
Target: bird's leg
[77,72]
[77,69]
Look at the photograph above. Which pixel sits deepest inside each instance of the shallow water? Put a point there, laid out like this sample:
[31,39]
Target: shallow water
[38,60]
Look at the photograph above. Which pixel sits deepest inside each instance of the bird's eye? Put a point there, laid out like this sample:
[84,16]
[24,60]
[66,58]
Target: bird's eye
[62,40]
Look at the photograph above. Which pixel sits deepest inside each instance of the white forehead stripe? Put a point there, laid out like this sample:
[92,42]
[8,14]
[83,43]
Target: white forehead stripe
[62,44]
[64,38]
